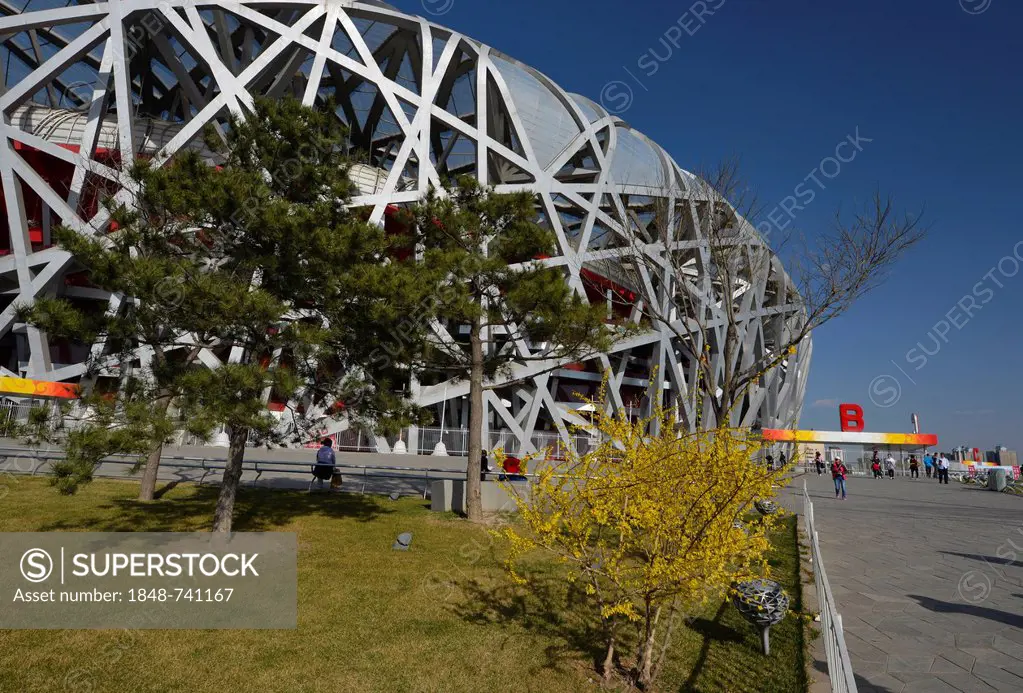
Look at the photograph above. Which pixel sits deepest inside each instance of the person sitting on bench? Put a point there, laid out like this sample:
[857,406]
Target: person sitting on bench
[513,469]
[325,463]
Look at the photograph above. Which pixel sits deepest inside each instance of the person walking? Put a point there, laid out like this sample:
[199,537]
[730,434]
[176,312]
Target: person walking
[914,467]
[819,463]
[889,465]
[875,467]
[943,470]
[838,472]
[928,464]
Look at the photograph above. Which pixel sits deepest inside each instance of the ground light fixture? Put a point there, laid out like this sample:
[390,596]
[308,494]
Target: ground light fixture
[763,603]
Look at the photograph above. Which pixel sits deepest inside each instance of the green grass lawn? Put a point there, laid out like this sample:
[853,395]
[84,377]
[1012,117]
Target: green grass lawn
[441,617]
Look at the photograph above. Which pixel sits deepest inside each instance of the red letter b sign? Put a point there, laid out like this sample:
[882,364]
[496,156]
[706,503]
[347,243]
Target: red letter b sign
[851,417]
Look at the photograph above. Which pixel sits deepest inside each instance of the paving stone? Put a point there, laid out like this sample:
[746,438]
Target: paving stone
[1003,686]
[966,640]
[990,657]
[1014,634]
[863,649]
[966,682]
[932,643]
[959,658]
[935,685]
[868,616]
[898,591]
[871,635]
[1009,647]
[915,681]
[909,663]
[867,664]
[995,673]
[879,682]
[932,632]
[943,665]
[898,626]
[977,625]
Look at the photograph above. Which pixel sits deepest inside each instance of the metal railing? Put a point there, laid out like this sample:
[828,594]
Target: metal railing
[354,440]
[839,667]
[456,440]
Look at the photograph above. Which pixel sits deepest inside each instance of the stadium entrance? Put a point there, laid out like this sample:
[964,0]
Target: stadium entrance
[856,449]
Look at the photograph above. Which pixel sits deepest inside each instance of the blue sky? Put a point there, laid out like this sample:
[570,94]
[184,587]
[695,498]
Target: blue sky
[936,88]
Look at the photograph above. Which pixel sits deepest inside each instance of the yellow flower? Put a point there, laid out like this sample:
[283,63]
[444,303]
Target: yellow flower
[641,521]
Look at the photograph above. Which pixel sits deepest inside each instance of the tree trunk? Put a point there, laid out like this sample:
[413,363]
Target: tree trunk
[609,659]
[645,679]
[474,505]
[147,487]
[224,514]
[673,617]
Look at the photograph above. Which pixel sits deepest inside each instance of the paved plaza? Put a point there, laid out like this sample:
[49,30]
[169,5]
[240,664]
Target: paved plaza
[928,579]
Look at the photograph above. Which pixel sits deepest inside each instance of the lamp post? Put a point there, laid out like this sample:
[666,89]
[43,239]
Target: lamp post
[440,449]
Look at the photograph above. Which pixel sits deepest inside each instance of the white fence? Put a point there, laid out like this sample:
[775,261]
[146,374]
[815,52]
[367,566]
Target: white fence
[12,411]
[15,411]
[839,667]
[354,440]
[457,442]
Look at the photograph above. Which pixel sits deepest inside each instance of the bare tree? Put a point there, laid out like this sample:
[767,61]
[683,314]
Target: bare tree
[704,273]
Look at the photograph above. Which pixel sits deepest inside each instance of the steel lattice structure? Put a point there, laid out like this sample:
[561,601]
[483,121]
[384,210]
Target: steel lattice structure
[89,85]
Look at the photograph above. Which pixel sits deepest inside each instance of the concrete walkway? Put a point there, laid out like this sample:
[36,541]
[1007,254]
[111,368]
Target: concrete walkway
[929,582]
[363,472]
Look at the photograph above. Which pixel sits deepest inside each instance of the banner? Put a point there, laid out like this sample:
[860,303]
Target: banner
[37,388]
[784,435]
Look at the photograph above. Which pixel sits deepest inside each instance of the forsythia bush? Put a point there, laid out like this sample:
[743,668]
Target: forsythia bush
[652,526]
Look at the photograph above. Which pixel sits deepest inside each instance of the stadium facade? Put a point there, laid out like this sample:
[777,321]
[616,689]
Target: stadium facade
[87,86]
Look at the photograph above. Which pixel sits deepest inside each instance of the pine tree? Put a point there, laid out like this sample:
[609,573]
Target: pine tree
[257,267]
[513,308]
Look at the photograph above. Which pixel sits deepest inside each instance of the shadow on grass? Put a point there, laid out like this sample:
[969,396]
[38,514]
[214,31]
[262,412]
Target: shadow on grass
[549,607]
[712,631]
[192,510]
[728,657]
[167,488]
